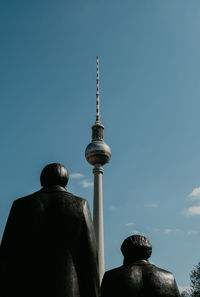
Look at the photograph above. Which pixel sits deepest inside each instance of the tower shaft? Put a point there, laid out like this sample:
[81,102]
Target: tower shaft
[98,216]
[98,153]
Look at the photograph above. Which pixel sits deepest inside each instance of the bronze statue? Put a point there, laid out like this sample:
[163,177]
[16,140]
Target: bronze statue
[137,277]
[48,247]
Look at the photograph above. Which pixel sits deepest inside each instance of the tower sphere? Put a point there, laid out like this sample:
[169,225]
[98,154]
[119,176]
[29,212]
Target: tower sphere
[98,152]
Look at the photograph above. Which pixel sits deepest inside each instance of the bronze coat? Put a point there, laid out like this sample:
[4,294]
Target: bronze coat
[48,247]
[140,279]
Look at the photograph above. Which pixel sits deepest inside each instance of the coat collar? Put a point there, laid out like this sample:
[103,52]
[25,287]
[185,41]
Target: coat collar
[54,188]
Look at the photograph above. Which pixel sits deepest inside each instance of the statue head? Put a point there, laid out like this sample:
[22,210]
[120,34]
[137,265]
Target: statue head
[54,174]
[135,248]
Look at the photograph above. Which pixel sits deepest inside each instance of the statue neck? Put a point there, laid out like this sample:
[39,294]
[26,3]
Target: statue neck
[136,262]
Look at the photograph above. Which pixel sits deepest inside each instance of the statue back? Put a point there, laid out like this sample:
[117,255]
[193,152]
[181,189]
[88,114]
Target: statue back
[139,280]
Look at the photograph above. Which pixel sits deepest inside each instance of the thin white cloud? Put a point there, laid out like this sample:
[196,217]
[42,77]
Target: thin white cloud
[184,288]
[87,184]
[129,224]
[193,232]
[76,175]
[151,205]
[193,211]
[195,194]
[167,231]
[112,208]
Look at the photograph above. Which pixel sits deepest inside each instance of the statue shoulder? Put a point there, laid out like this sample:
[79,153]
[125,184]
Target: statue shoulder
[24,199]
[151,270]
[160,276]
[162,272]
[80,199]
[114,273]
[82,202]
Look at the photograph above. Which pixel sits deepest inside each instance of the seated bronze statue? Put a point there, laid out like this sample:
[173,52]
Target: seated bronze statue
[48,247]
[137,277]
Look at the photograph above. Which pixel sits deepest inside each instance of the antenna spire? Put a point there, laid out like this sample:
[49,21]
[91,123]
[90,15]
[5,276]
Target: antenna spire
[97,94]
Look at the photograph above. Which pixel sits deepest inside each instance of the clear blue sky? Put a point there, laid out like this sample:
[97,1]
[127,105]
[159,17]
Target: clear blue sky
[150,102]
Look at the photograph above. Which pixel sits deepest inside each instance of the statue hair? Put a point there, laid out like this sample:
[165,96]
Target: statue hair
[136,247]
[54,174]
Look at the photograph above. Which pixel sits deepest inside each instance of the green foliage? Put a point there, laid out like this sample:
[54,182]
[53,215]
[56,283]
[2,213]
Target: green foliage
[185,294]
[195,281]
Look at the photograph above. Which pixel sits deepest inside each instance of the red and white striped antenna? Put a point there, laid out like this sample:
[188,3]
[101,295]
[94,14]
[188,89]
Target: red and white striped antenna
[97,94]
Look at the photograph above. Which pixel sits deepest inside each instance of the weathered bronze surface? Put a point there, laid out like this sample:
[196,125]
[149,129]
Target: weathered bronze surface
[48,247]
[137,277]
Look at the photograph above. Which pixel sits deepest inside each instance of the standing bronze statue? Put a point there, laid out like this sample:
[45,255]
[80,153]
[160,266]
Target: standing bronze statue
[137,277]
[48,247]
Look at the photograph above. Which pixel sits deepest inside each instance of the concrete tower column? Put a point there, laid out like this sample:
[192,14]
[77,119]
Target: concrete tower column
[98,153]
[98,216]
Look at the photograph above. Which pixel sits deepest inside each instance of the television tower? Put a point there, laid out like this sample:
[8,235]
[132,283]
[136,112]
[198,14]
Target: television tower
[98,153]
